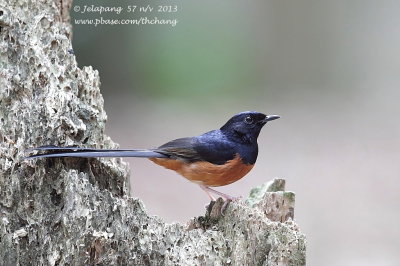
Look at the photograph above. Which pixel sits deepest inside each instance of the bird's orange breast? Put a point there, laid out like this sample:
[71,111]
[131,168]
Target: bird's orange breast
[206,173]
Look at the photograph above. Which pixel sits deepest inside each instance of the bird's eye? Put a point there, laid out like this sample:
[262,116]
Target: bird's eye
[248,120]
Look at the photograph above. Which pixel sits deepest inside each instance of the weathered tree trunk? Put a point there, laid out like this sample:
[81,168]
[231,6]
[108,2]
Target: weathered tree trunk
[77,211]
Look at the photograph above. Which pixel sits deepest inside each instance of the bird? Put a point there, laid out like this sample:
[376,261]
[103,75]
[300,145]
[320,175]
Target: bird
[216,158]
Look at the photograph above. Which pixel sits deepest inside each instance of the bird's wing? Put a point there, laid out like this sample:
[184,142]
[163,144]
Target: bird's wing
[207,147]
[182,148]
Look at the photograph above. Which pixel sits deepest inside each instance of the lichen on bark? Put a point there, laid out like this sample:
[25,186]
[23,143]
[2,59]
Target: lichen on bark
[78,211]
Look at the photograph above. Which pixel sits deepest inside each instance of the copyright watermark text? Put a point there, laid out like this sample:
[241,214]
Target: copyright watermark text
[132,15]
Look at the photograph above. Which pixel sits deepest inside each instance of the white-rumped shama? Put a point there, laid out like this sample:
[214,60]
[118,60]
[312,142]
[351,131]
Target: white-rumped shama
[216,158]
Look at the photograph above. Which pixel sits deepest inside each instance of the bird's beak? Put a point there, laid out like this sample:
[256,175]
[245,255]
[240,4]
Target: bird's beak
[270,118]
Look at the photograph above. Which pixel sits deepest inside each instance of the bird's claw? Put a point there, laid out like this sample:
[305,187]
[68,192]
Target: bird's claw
[225,206]
[218,207]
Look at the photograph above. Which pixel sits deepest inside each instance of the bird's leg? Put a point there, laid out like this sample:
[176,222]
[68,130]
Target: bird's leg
[209,190]
[226,197]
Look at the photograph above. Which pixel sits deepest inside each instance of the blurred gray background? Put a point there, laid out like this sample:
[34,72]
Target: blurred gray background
[331,69]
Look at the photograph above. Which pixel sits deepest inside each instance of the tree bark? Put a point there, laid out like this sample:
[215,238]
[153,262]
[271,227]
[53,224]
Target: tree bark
[78,211]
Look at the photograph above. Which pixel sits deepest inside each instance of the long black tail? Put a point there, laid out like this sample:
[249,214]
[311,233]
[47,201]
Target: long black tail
[54,151]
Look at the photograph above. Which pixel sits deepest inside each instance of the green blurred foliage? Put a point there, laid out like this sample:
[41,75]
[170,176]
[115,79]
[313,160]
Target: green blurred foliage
[200,57]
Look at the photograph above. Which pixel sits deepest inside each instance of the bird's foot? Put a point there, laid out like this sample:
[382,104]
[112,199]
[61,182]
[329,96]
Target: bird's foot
[226,203]
[225,198]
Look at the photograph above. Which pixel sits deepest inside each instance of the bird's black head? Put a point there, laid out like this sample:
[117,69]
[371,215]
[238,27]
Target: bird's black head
[246,126]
